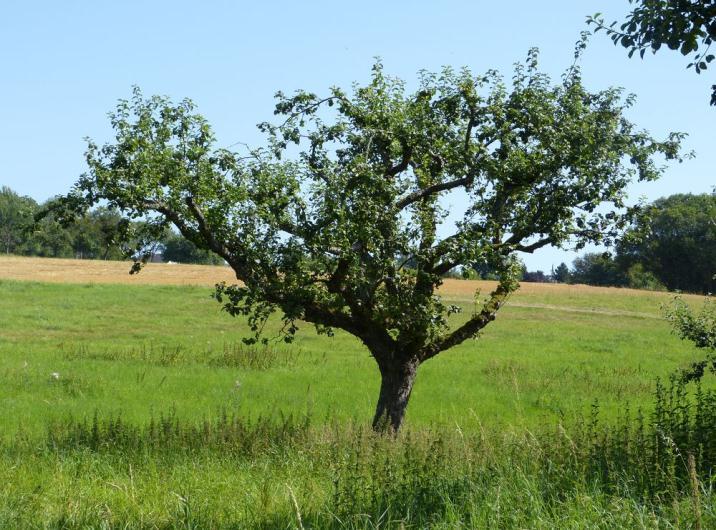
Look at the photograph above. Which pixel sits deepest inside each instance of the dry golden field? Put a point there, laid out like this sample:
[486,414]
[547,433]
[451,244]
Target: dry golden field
[98,271]
[547,296]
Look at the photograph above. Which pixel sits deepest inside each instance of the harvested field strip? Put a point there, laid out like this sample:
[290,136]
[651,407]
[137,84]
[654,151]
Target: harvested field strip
[548,296]
[98,271]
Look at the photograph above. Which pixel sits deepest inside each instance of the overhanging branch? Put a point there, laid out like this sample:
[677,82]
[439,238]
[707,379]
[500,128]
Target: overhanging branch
[533,246]
[403,164]
[478,321]
[432,190]
[205,230]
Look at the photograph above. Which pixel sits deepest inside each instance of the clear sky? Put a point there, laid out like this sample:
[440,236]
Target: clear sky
[63,65]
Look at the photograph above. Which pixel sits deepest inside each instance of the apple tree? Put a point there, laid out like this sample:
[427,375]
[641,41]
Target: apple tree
[340,219]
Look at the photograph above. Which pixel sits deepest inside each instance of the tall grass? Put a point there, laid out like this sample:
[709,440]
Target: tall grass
[643,470]
[232,354]
[527,452]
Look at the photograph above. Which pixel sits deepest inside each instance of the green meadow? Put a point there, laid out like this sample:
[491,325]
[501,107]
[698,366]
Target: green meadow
[140,407]
[138,350]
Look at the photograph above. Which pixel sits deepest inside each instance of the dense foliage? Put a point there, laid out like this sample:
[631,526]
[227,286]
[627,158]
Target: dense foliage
[178,249]
[685,25]
[595,268]
[16,212]
[676,241]
[32,229]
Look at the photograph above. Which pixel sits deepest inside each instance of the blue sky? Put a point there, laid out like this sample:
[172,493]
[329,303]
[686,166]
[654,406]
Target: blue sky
[65,64]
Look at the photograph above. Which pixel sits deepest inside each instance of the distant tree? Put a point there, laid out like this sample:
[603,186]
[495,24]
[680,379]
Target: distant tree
[535,276]
[27,228]
[676,242]
[49,238]
[16,214]
[596,268]
[315,229]
[179,249]
[640,278]
[561,273]
[485,271]
[685,25]
[98,235]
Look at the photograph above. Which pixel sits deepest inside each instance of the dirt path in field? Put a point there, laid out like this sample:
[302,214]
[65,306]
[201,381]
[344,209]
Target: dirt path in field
[595,311]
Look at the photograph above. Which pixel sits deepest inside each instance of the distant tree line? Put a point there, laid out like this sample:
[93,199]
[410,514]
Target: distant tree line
[96,235]
[671,246]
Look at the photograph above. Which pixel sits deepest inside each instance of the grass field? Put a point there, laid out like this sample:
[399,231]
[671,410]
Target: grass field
[80,340]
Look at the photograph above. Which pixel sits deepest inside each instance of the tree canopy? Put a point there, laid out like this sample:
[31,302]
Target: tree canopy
[685,25]
[320,222]
[179,249]
[676,241]
[561,273]
[16,213]
[597,268]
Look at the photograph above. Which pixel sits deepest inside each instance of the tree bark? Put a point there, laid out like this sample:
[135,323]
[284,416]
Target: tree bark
[395,387]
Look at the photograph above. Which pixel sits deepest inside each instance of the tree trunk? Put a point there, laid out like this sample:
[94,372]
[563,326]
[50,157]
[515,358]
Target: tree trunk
[395,386]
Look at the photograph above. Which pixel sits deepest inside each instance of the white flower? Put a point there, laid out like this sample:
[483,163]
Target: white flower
[55,376]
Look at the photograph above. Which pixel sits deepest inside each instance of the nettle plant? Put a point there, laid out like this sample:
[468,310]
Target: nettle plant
[337,221]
